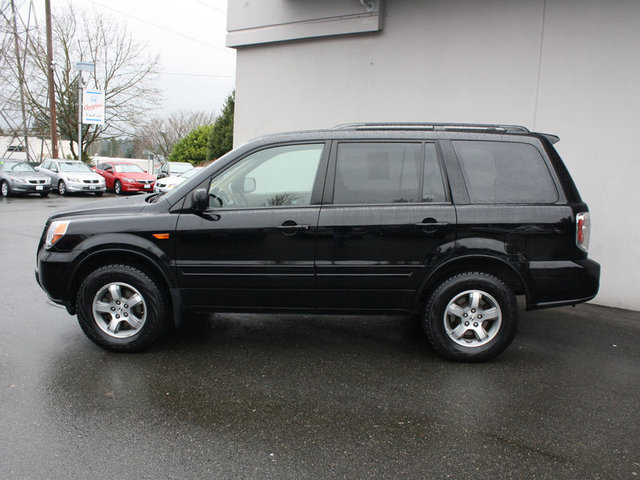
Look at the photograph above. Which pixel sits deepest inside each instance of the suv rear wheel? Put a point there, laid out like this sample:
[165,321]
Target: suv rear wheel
[471,317]
[121,308]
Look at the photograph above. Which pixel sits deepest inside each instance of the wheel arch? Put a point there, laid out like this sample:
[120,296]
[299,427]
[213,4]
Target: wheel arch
[472,263]
[124,256]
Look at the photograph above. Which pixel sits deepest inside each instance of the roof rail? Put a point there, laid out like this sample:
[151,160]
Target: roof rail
[432,126]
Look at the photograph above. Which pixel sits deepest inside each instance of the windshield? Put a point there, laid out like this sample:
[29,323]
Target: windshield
[179,167]
[73,167]
[17,167]
[127,167]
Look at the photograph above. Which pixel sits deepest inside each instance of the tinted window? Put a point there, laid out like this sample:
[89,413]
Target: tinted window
[505,172]
[432,186]
[278,176]
[386,173]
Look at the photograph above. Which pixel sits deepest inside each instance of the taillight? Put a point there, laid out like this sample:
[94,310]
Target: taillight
[583,229]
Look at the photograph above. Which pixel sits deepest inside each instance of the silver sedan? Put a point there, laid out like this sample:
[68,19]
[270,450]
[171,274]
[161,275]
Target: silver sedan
[69,176]
[17,177]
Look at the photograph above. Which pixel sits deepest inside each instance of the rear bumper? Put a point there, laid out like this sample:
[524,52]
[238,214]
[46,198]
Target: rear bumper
[563,283]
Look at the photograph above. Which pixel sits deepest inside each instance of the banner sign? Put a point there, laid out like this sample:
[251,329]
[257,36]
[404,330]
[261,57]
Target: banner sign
[93,107]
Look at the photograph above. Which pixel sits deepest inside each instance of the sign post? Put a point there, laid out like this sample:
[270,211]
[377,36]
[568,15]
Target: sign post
[81,67]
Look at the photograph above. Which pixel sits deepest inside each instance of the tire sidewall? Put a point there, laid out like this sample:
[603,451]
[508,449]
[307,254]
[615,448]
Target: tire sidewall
[433,319]
[153,297]
[62,188]
[117,187]
[6,191]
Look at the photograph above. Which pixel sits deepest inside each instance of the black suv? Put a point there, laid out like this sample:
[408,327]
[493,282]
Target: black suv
[448,220]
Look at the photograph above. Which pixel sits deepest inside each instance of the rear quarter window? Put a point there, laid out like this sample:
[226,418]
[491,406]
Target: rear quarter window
[505,172]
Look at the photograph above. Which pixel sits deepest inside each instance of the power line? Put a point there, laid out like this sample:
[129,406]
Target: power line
[197,74]
[225,50]
[210,6]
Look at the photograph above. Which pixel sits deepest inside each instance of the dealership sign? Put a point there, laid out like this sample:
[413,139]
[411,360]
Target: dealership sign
[93,107]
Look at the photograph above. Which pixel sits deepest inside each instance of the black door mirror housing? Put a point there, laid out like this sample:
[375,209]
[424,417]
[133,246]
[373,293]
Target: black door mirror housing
[200,200]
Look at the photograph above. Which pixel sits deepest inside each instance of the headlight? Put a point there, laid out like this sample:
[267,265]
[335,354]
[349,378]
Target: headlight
[18,180]
[129,179]
[55,232]
[73,180]
[47,180]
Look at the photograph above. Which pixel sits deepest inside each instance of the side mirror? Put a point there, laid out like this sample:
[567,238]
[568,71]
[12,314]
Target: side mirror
[200,199]
[108,169]
[249,185]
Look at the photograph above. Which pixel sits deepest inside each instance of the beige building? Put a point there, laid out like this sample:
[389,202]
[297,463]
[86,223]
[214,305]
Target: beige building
[568,67]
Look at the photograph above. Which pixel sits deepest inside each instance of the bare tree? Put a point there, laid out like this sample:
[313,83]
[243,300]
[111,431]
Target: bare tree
[125,70]
[159,135]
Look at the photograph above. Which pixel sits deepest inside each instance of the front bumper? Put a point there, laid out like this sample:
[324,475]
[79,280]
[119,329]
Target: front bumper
[53,274]
[77,187]
[563,283]
[30,188]
[137,187]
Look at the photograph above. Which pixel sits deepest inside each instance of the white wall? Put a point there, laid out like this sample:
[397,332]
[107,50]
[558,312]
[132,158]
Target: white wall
[568,67]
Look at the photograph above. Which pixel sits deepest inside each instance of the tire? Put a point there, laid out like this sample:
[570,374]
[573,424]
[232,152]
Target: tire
[117,187]
[44,194]
[62,188]
[105,315]
[4,188]
[450,320]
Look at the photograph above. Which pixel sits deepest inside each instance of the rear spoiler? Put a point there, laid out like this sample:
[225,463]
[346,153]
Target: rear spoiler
[552,138]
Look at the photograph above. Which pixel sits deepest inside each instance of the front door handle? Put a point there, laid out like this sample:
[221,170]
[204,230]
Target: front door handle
[291,228]
[432,224]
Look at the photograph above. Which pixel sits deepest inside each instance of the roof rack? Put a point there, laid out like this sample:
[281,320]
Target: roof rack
[433,126]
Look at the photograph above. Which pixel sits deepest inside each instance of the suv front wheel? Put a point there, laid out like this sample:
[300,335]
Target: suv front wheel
[471,317]
[121,308]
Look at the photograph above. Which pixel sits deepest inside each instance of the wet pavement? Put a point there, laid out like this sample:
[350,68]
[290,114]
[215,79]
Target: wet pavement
[306,397]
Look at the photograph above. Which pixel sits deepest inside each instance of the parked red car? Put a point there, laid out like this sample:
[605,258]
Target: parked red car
[125,177]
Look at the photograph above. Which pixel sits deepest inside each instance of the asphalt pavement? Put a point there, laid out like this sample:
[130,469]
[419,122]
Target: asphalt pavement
[306,397]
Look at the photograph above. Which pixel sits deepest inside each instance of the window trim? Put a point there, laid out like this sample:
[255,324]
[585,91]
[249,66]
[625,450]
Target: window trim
[329,188]
[318,185]
[560,199]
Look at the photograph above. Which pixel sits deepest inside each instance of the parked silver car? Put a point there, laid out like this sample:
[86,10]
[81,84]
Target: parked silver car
[72,176]
[18,177]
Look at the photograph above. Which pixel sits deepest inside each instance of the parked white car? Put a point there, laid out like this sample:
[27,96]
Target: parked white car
[69,176]
[168,183]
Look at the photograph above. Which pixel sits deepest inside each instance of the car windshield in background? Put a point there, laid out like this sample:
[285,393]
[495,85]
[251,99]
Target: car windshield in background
[190,172]
[17,167]
[180,167]
[73,167]
[128,167]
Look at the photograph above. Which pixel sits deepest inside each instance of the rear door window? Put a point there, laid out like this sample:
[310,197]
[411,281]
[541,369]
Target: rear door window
[505,172]
[387,172]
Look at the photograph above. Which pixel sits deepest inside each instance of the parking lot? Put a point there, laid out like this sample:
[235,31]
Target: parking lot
[293,397]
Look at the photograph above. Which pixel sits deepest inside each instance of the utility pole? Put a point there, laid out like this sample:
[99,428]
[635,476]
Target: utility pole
[53,121]
[20,79]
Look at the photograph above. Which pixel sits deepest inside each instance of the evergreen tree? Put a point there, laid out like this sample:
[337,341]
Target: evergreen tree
[221,138]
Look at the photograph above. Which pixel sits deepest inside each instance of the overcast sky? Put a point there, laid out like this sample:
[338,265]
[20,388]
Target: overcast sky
[197,71]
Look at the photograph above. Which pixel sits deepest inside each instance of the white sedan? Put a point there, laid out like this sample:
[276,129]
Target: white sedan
[167,183]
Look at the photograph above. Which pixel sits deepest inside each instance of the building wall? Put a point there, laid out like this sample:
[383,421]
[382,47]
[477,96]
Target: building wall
[568,67]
